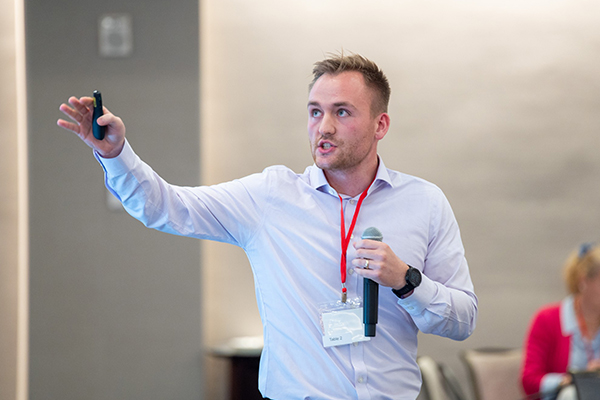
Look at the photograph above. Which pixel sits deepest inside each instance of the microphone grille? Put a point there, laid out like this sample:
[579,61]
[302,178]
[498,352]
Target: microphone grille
[372,233]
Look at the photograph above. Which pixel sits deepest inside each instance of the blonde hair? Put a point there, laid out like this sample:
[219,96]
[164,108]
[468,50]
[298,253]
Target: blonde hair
[373,76]
[582,263]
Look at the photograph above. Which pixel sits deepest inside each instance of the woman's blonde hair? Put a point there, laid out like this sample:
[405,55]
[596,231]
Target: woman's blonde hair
[582,263]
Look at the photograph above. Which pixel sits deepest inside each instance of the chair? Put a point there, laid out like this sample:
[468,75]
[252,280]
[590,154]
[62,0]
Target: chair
[453,387]
[432,378]
[494,373]
[438,381]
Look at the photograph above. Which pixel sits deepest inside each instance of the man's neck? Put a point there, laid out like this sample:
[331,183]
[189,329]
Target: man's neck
[351,183]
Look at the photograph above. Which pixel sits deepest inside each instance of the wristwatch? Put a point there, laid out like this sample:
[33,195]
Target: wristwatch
[413,280]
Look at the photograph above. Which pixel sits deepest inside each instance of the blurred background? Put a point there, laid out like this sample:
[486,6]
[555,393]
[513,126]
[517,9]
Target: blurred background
[496,102]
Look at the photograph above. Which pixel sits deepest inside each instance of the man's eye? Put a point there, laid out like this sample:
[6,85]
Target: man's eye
[342,113]
[315,113]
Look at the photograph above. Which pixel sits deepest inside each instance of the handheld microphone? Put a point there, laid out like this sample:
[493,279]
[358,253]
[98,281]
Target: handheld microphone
[98,112]
[371,290]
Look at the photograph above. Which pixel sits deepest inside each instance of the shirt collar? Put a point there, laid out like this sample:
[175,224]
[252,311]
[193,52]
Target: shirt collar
[319,182]
[567,316]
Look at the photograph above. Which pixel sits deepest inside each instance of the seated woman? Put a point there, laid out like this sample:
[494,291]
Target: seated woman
[565,336]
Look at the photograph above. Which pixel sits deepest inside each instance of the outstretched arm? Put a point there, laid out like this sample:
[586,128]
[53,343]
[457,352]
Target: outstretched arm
[80,112]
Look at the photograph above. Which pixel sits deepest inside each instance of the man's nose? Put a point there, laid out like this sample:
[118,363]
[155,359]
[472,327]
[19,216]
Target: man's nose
[327,125]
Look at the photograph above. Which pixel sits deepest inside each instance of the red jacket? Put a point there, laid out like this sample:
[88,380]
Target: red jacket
[546,349]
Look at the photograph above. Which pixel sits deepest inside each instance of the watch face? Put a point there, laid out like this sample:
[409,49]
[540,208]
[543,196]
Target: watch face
[413,276]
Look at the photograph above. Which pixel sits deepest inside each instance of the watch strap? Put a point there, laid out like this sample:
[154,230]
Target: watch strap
[403,290]
[409,287]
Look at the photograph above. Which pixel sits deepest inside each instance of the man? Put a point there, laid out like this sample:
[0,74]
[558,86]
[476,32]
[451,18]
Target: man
[291,226]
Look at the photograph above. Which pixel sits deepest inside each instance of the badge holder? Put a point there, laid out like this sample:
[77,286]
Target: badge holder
[342,323]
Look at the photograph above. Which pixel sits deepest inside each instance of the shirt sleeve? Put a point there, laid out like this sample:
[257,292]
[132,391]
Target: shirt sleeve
[228,212]
[444,304]
[551,383]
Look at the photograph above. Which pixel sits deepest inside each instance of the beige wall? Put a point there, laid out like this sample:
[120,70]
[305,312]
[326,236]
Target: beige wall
[496,102]
[9,229]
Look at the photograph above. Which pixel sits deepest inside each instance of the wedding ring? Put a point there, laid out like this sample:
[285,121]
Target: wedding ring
[367,265]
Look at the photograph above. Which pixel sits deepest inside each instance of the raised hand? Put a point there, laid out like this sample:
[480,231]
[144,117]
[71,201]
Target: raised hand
[80,112]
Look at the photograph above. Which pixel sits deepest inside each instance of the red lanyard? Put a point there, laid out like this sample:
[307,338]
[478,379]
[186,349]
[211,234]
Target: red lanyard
[346,237]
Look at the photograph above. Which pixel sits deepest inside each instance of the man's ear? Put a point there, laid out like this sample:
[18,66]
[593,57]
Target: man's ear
[383,124]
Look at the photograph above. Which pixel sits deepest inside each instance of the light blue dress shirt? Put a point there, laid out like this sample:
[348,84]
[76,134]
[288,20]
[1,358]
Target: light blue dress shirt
[289,226]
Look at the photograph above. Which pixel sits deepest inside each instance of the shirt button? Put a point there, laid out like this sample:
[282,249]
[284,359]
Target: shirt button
[361,379]
[355,344]
[350,271]
[352,201]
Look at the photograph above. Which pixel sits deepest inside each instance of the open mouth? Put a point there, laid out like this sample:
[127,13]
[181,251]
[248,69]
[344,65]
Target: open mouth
[325,145]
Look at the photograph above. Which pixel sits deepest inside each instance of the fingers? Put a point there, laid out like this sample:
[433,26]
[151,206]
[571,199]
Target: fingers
[368,244]
[70,126]
[593,365]
[70,112]
[79,113]
[366,263]
[370,249]
[367,268]
[73,115]
[376,260]
[385,275]
[108,118]
[82,105]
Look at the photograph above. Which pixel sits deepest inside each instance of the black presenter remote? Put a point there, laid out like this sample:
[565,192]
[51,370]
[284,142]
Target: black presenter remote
[98,112]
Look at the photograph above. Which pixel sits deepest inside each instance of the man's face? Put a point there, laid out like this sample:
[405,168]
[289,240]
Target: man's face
[343,133]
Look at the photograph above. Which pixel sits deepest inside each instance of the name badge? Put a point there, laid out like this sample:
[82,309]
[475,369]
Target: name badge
[342,324]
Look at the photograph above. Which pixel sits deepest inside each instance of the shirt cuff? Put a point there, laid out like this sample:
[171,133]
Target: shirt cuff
[120,164]
[551,382]
[421,297]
